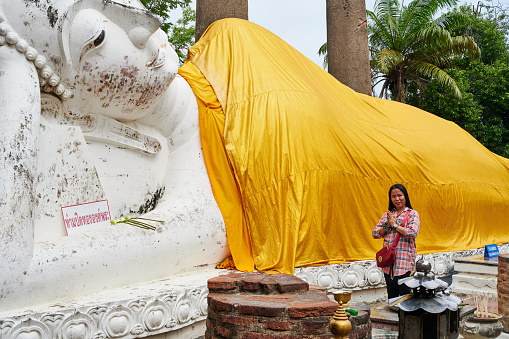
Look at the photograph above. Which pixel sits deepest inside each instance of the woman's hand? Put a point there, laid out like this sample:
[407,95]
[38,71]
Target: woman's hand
[391,219]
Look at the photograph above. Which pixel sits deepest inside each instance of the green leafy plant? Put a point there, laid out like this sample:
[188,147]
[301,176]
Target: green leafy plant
[180,32]
[483,110]
[408,45]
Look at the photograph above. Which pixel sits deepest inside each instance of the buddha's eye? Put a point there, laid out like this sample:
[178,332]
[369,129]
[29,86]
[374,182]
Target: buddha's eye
[93,44]
[99,39]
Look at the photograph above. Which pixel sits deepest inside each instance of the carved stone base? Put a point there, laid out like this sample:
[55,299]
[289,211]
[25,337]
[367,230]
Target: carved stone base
[138,311]
[176,304]
[364,277]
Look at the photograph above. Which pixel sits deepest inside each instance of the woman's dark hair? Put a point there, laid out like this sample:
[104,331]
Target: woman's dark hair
[405,193]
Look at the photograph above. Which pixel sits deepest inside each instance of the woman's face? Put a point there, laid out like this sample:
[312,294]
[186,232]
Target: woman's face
[398,199]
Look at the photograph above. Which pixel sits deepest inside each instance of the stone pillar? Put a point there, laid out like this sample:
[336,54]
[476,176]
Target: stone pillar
[208,11]
[503,290]
[347,44]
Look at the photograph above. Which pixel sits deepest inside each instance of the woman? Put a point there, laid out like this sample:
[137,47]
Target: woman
[399,219]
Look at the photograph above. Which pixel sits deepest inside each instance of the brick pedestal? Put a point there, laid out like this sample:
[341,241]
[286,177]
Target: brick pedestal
[267,306]
[503,289]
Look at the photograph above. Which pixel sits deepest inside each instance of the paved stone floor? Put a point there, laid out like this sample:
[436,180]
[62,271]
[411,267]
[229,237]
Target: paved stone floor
[377,333]
[386,334]
[385,321]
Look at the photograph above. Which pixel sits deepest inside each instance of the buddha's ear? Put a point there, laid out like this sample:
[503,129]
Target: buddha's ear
[51,106]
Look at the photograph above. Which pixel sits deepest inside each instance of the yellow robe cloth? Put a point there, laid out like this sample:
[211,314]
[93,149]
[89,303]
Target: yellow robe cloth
[301,165]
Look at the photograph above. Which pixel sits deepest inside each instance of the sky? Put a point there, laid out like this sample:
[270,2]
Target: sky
[301,23]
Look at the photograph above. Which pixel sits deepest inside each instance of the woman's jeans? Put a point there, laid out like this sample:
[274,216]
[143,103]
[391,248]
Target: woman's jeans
[393,289]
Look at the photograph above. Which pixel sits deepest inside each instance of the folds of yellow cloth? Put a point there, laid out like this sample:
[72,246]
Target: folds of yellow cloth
[300,165]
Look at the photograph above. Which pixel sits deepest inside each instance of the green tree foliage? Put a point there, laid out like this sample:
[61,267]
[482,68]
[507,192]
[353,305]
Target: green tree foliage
[181,33]
[483,109]
[407,45]
[488,25]
[323,51]
[484,84]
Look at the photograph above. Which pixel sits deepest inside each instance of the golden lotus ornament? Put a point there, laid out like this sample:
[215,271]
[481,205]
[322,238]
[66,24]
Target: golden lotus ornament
[340,326]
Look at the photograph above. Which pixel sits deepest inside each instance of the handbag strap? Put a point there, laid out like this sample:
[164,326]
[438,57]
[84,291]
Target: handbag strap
[396,240]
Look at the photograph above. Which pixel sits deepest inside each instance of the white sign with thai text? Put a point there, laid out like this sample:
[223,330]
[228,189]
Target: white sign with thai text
[86,217]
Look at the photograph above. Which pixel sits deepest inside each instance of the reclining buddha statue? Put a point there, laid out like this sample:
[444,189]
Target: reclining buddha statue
[248,149]
[93,109]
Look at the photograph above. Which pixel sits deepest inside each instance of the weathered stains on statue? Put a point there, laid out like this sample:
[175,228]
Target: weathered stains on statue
[150,203]
[20,152]
[56,60]
[52,16]
[150,93]
[122,85]
[129,71]
[19,123]
[65,177]
[24,125]
[87,66]
[51,12]
[152,144]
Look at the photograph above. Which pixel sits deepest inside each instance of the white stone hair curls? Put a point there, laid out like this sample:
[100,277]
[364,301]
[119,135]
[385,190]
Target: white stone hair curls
[49,81]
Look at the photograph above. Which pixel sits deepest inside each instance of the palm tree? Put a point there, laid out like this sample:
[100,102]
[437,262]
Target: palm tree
[408,45]
[323,51]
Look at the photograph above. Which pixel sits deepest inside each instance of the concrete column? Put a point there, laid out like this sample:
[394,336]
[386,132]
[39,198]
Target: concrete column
[347,44]
[208,11]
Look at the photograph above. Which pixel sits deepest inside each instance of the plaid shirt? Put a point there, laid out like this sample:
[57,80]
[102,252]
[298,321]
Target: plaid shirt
[405,251]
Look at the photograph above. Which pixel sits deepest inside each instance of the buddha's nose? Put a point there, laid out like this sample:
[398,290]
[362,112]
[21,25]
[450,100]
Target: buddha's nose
[139,36]
[141,26]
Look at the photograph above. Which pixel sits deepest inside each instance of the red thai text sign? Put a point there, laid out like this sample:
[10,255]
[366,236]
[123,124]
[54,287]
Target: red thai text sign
[86,217]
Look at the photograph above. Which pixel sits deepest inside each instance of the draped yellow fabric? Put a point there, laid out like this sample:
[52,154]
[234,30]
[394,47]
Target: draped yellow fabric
[301,165]
[224,188]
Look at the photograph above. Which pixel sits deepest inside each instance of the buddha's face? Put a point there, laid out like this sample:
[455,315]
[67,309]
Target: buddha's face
[117,70]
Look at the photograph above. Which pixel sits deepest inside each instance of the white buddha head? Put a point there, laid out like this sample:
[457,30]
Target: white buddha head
[110,54]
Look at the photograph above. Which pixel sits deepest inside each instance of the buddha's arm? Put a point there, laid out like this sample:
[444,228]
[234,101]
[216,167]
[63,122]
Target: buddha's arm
[20,107]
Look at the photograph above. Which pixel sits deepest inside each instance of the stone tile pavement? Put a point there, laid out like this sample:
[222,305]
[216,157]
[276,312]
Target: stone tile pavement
[386,320]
